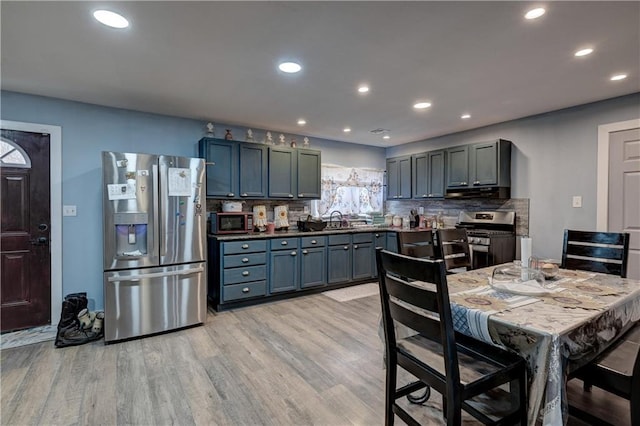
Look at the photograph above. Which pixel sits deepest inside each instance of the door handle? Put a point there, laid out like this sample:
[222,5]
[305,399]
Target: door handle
[40,241]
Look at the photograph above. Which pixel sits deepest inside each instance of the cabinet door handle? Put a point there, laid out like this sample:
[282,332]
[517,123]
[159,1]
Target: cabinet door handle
[345,248]
[314,242]
[430,195]
[290,195]
[476,182]
[300,195]
[231,194]
[305,252]
[245,259]
[377,235]
[245,273]
[244,194]
[293,253]
[355,247]
[246,290]
[245,246]
[284,243]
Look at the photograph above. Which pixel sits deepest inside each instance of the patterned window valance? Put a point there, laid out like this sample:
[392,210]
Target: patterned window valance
[11,155]
[350,190]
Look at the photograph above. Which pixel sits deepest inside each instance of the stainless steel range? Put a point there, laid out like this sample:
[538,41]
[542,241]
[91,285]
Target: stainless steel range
[492,236]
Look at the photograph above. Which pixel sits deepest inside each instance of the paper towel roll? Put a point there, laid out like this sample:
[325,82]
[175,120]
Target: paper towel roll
[525,250]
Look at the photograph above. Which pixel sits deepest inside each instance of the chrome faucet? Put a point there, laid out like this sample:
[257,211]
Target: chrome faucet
[331,219]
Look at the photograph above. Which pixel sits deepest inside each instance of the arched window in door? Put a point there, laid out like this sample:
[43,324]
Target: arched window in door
[11,155]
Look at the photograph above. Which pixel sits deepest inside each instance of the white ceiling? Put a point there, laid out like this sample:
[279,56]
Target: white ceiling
[217,61]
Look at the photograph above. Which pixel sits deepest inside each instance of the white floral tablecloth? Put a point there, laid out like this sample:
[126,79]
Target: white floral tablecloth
[555,333]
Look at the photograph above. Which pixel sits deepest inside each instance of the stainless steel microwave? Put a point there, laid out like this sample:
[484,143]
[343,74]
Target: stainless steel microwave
[230,223]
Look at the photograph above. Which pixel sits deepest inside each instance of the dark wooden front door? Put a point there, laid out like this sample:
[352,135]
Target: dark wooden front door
[25,269]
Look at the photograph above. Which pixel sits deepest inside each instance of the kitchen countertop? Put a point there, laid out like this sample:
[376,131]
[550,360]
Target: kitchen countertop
[296,233]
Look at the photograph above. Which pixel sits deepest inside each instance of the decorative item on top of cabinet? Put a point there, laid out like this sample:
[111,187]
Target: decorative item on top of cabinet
[228,136]
[269,139]
[306,143]
[282,138]
[211,130]
[249,136]
[293,143]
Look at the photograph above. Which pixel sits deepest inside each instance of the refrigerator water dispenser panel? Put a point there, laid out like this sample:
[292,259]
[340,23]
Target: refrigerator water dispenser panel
[131,234]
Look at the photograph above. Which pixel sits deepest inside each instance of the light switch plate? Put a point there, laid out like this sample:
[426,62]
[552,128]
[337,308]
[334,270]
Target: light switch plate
[69,211]
[577,201]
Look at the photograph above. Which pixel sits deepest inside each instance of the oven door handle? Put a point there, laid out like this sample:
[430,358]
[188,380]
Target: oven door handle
[479,248]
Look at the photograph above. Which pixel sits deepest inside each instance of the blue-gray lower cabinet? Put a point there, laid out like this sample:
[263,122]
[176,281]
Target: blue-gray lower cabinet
[313,261]
[392,242]
[283,264]
[362,252]
[242,270]
[339,258]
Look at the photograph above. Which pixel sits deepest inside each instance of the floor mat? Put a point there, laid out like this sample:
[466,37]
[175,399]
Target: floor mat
[354,292]
[28,337]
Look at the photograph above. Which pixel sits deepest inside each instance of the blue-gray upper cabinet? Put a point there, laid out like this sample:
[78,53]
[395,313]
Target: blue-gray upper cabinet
[283,167]
[221,159]
[458,166]
[253,170]
[428,173]
[399,178]
[485,164]
[308,173]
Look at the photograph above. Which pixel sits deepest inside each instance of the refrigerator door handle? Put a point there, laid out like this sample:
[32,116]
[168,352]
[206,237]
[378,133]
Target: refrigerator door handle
[156,209]
[139,277]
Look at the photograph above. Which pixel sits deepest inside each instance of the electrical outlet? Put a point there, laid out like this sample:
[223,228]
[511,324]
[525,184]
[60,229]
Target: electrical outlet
[306,210]
[69,211]
[577,201]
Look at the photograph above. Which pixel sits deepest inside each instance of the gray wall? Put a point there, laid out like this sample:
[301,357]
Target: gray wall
[554,157]
[87,130]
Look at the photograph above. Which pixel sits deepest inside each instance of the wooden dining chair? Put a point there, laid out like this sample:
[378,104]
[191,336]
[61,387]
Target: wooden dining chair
[454,248]
[606,252]
[416,244]
[617,371]
[462,369]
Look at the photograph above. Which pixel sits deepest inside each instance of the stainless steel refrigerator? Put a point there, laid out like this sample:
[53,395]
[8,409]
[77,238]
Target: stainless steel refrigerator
[154,243]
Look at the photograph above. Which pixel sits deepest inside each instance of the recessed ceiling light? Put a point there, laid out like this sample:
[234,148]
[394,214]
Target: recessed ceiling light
[465,116]
[422,105]
[346,129]
[535,13]
[290,67]
[110,19]
[363,89]
[618,77]
[584,52]
[302,122]
[386,137]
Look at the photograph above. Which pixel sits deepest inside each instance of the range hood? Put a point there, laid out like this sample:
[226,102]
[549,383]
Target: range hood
[500,192]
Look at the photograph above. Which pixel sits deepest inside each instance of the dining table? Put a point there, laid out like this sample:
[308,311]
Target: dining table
[576,317]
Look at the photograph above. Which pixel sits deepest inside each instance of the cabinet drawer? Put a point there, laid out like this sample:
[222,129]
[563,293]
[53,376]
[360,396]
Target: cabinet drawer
[365,237]
[244,291]
[339,239]
[243,275]
[249,259]
[247,246]
[284,243]
[308,242]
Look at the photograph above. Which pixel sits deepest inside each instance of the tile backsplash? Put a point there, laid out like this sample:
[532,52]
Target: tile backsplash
[449,208]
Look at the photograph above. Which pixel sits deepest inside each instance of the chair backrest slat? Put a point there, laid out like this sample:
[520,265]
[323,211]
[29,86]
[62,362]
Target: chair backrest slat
[421,298]
[416,244]
[428,327]
[606,252]
[454,246]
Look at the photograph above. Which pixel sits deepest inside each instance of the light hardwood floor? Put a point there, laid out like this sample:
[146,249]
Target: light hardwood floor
[305,361]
